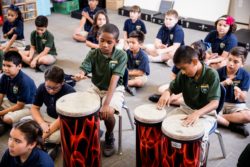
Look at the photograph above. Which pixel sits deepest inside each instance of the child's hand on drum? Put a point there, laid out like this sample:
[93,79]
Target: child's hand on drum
[164,99]
[79,76]
[106,111]
[190,119]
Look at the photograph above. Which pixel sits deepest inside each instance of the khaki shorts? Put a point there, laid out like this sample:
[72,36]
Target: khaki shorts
[36,54]
[54,137]
[16,115]
[117,98]
[19,44]
[230,108]
[143,78]
[208,119]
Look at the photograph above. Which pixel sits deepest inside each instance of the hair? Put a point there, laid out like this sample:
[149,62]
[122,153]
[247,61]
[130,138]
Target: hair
[172,12]
[110,28]
[200,48]
[239,51]
[32,131]
[230,21]
[135,8]
[184,54]
[17,10]
[54,74]
[13,56]
[93,0]
[95,26]
[139,35]
[41,21]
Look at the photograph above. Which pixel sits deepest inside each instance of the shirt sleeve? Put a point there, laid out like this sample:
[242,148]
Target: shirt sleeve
[3,85]
[175,70]
[86,65]
[5,27]
[23,93]
[175,86]
[144,65]
[39,98]
[121,66]
[91,37]
[50,41]
[125,27]
[160,34]
[231,43]
[214,85]
[19,29]
[208,38]
[178,36]
[245,82]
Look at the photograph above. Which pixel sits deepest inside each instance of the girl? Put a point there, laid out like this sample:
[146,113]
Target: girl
[23,146]
[100,19]
[222,40]
[13,29]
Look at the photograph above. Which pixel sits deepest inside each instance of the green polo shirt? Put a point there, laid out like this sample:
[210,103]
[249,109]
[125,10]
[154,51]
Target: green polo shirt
[197,93]
[40,42]
[103,67]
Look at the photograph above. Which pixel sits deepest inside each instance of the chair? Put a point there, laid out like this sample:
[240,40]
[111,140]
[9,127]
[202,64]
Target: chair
[125,107]
[214,128]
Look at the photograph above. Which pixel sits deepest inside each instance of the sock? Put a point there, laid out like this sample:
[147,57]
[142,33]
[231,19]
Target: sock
[155,59]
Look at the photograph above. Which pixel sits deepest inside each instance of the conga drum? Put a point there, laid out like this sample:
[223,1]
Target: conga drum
[148,121]
[181,145]
[79,127]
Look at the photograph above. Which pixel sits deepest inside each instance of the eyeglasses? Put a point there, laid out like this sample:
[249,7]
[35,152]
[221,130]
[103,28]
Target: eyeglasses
[54,88]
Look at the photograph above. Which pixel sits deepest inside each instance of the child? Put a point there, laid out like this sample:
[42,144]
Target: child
[107,65]
[48,93]
[88,14]
[133,23]
[13,29]
[200,49]
[236,81]
[168,39]
[17,87]
[222,40]
[200,87]
[138,65]
[25,146]
[42,52]
[100,19]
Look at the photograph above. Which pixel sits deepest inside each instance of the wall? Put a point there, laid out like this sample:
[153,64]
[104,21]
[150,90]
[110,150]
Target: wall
[240,10]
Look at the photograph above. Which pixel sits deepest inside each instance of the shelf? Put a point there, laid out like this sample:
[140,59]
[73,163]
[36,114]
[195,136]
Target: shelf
[33,18]
[28,11]
[20,4]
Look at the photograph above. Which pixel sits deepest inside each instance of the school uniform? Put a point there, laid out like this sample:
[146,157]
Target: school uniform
[43,97]
[88,24]
[92,36]
[241,80]
[40,42]
[138,25]
[37,158]
[19,89]
[219,45]
[139,62]
[102,69]
[170,36]
[197,94]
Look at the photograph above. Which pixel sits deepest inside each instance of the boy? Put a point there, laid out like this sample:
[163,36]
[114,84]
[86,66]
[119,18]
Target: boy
[200,87]
[236,80]
[48,93]
[138,65]
[17,87]
[133,23]
[107,65]
[168,39]
[42,52]
[88,14]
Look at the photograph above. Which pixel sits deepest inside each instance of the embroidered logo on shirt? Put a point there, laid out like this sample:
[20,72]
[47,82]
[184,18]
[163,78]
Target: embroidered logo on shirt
[44,41]
[113,63]
[15,89]
[222,45]
[137,62]
[138,28]
[236,83]
[204,88]
[171,36]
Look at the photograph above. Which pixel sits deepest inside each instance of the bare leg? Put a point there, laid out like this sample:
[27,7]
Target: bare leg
[25,56]
[135,83]
[238,117]
[47,60]
[79,38]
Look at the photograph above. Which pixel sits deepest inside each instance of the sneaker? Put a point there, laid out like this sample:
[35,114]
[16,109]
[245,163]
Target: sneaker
[43,67]
[131,90]
[239,128]
[109,145]
[52,149]
[154,98]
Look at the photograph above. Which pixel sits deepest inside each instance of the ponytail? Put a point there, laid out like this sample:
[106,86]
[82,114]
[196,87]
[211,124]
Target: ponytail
[17,10]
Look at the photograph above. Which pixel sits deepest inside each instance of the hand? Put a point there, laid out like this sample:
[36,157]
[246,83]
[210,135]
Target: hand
[173,98]
[79,76]
[164,99]
[228,81]
[45,126]
[106,111]
[237,92]
[33,63]
[162,46]
[191,119]
[45,136]
[85,14]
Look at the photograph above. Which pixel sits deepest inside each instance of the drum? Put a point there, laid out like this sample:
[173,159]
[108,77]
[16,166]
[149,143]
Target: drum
[181,145]
[79,127]
[148,135]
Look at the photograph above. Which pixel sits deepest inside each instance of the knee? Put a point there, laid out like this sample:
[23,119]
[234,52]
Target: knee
[246,114]
[7,120]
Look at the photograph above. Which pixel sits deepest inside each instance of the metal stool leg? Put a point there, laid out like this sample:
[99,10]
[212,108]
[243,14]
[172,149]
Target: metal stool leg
[129,116]
[217,132]
[120,135]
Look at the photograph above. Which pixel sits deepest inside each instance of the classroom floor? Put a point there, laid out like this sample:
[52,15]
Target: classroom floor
[71,54]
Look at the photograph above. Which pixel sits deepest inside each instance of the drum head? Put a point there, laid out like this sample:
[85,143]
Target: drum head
[78,104]
[148,113]
[172,127]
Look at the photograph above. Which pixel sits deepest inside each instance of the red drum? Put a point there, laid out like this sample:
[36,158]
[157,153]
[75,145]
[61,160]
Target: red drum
[181,145]
[79,127]
[148,135]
